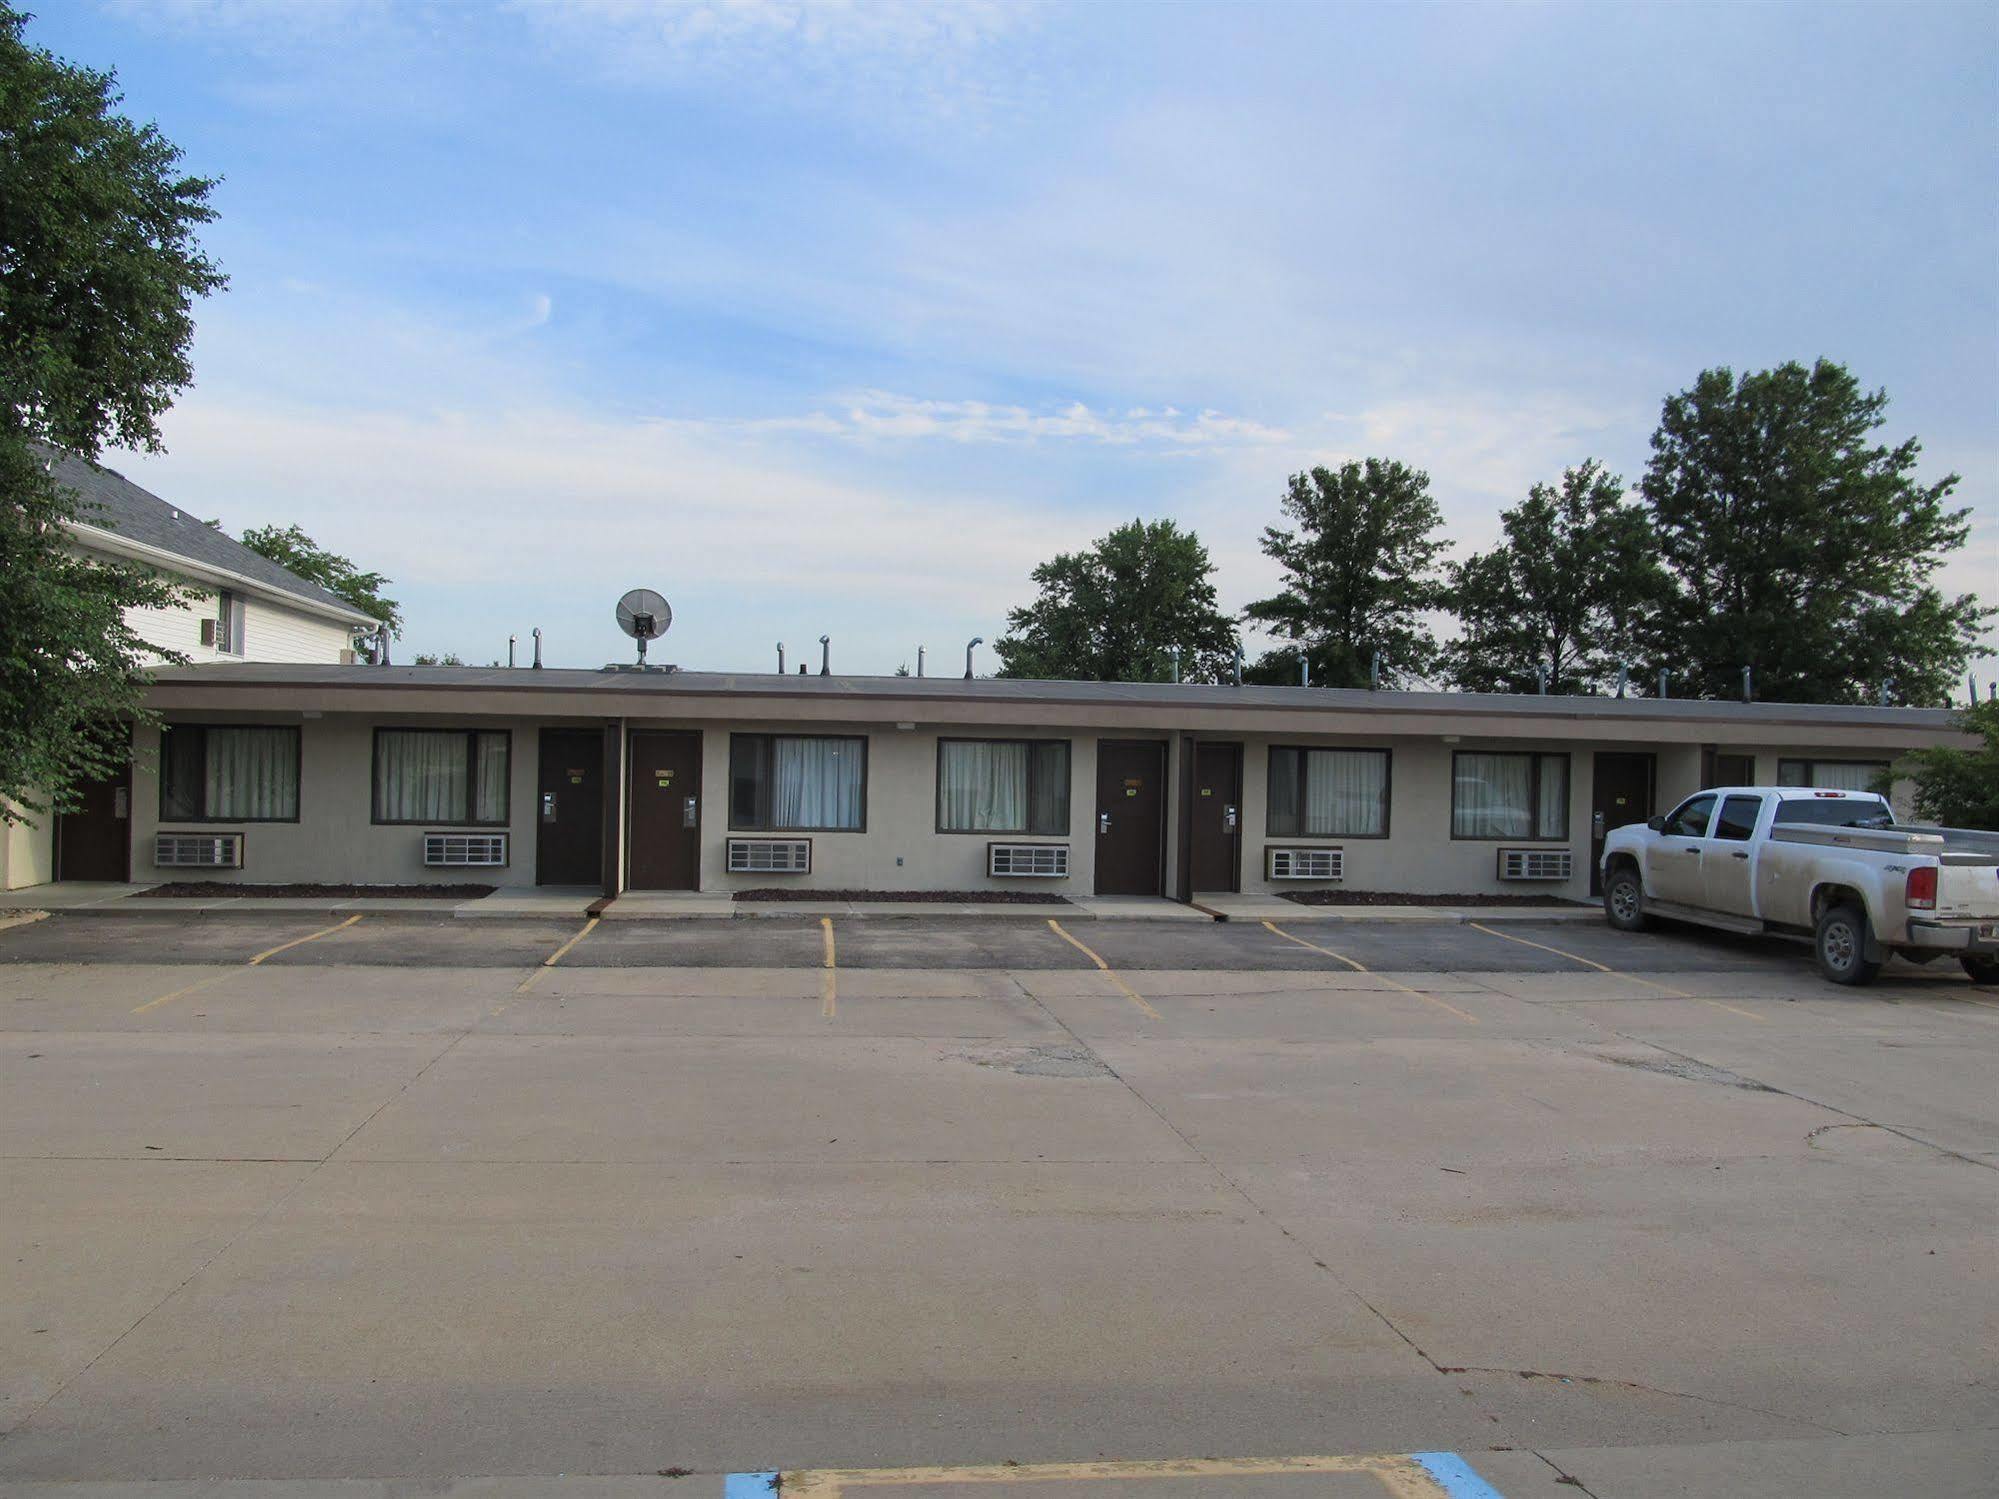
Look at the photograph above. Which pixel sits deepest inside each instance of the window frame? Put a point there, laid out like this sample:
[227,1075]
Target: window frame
[471,736]
[1027,797]
[231,616]
[1387,787]
[1533,792]
[771,738]
[1715,800]
[298,771]
[1885,767]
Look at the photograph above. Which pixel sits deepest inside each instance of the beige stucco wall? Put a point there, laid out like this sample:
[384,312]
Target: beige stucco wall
[27,853]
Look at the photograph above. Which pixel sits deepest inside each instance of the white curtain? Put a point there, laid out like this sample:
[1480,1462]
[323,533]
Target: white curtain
[490,804]
[1492,796]
[1829,776]
[817,783]
[1048,787]
[982,786]
[1552,820]
[420,776]
[252,773]
[1346,793]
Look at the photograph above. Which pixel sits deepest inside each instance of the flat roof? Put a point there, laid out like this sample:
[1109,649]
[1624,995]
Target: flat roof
[626,692]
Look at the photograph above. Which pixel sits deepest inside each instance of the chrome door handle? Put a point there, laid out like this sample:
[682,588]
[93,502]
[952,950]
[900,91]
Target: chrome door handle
[1103,822]
[687,815]
[1690,851]
[1738,854]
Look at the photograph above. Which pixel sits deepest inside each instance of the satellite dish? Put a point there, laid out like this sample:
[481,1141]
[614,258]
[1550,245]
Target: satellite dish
[644,615]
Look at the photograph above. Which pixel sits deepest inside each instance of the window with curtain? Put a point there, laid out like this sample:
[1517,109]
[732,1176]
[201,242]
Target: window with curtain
[1833,775]
[442,775]
[228,773]
[1509,795]
[1328,793]
[1003,786]
[797,783]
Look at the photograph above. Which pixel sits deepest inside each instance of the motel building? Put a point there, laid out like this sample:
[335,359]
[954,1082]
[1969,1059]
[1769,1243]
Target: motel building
[282,759]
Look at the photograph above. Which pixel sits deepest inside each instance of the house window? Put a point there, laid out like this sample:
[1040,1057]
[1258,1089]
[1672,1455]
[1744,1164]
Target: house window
[1003,786]
[228,773]
[1833,775]
[441,775]
[1327,793]
[797,783]
[228,623]
[1509,795]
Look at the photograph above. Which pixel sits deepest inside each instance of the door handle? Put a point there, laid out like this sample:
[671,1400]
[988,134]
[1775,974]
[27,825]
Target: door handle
[1694,851]
[1738,854]
[1103,822]
[548,806]
[1229,818]
[687,812]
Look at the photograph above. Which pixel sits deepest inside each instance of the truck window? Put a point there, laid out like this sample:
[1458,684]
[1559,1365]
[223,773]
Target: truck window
[1837,812]
[1738,818]
[1689,819]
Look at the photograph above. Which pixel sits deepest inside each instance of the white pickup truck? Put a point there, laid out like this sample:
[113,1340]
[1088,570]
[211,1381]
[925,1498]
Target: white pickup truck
[1831,866]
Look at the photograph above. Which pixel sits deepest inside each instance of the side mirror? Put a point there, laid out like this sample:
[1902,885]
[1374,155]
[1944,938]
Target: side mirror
[1656,824]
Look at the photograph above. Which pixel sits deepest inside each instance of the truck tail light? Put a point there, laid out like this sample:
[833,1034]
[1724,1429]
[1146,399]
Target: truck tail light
[1922,894]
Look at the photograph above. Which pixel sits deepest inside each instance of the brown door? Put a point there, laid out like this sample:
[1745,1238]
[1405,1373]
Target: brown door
[1718,769]
[665,832]
[569,809]
[95,841]
[1131,816]
[1621,792]
[1217,817]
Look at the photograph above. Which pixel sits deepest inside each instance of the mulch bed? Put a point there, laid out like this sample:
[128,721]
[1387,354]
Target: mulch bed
[214,889]
[1401,898]
[926,897]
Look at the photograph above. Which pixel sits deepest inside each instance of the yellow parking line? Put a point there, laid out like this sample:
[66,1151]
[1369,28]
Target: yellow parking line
[1402,1477]
[829,980]
[1667,989]
[557,956]
[1428,999]
[1110,973]
[269,952]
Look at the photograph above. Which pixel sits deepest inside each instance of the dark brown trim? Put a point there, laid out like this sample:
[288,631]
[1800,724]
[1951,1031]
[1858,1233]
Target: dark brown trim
[298,770]
[615,798]
[1068,771]
[1534,790]
[1183,842]
[867,765]
[471,776]
[1387,789]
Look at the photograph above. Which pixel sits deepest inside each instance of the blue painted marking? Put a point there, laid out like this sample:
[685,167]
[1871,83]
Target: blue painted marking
[1455,1476]
[747,1485]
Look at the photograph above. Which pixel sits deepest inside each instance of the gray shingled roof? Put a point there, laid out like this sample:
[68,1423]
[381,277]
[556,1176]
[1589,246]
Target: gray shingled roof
[112,502]
[861,689]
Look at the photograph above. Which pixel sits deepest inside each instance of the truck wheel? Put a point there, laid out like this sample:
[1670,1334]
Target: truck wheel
[1983,970]
[1624,900]
[1840,944]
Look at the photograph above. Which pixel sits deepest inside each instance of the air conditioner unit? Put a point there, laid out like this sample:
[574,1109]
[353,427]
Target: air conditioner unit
[770,856]
[198,850]
[1041,861]
[1536,864]
[464,850]
[1306,863]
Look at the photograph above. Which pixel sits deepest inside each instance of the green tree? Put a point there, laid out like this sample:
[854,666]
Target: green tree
[1567,593]
[1360,572]
[1959,788]
[1800,546]
[291,547]
[99,271]
[449,658]
[1113,612]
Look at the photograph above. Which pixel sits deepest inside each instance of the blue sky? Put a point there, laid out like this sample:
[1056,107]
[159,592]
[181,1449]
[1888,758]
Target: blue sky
[836,318]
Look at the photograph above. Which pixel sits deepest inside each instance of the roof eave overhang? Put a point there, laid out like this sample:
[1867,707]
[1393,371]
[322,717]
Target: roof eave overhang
[99,539]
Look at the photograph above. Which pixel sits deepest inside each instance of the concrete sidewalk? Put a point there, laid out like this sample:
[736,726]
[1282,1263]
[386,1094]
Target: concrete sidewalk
[1276,908]
[679,905]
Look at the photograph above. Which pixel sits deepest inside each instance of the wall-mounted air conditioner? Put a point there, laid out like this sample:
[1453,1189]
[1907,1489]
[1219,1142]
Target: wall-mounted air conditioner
[770,856]
[1305,863]
[198,850]
[464,850]
[1041,861]
[1536,864]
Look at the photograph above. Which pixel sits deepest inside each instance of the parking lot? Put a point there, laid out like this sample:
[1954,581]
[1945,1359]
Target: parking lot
[901,1203]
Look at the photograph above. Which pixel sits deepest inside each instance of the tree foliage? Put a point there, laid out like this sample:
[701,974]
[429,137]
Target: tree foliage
[1360,571]
[1567,593]
[1113,612]
[1959,788]
[291,547]
[1800,546]
[99,270]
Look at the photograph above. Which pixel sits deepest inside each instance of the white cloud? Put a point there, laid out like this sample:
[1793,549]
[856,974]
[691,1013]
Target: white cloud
[883,416]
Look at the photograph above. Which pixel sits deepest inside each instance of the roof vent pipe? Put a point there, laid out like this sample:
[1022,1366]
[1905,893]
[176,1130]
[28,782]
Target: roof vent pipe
[1304,671]
[382,653]
[1748,687]
[1374,672]
[1541,680]
[919,660]
[1888,693]
[1623,677]
[1238,663]
[512,641]
[780,658]
[1665,680]
[537,647]
[1174,652]
[825,655]
[976,640]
